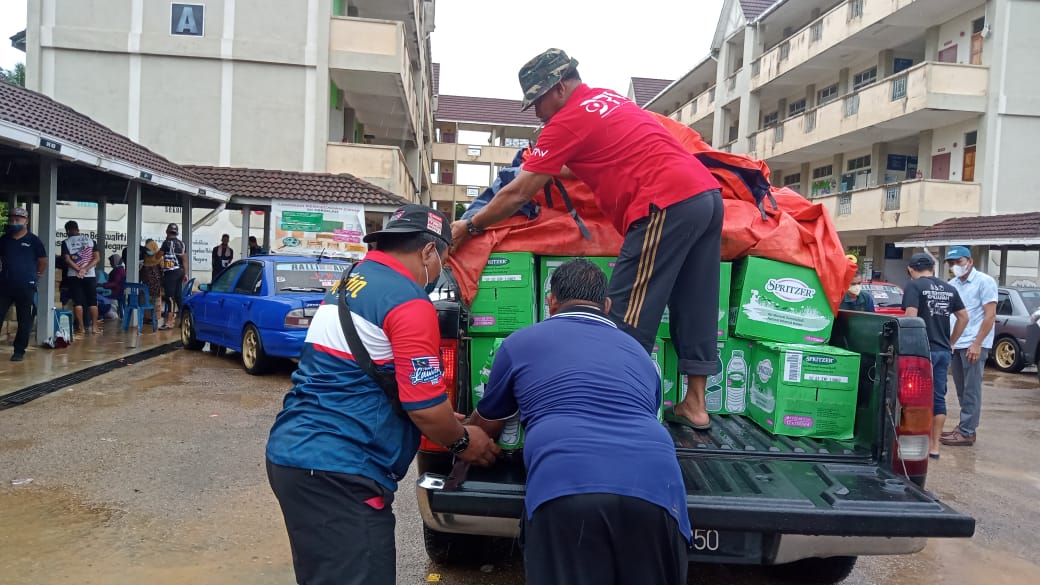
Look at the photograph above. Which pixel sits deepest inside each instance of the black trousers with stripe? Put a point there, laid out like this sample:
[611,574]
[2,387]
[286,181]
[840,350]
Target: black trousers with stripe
[671,258]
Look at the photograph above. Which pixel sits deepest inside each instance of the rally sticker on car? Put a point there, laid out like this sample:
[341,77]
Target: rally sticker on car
[426,370]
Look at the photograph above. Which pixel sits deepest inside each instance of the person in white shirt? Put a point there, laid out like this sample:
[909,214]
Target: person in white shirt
[81,255]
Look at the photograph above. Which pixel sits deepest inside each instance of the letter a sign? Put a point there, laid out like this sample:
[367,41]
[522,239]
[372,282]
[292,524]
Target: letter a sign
[187,19]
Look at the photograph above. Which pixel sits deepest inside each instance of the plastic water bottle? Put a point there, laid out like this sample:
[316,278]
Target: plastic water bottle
[736,383]
[714,391]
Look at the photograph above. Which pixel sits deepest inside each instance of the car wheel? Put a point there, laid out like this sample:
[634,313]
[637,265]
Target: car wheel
[188,338]
[448,549]
[826,571]
[254,358]
[1007,355]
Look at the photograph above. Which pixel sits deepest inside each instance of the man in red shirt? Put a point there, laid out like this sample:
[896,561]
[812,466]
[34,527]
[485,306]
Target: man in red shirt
[659,196]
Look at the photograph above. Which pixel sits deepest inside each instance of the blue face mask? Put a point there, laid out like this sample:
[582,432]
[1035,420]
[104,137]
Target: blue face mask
[431,286]
[15,227]
[149,252]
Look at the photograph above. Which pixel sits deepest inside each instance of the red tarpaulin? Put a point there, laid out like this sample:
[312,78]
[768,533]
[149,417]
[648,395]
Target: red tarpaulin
[795,231]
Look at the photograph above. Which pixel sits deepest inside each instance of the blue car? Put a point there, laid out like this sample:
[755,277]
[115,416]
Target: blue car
[259,306]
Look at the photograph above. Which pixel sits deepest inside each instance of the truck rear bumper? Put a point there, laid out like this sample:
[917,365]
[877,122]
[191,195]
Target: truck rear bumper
[789,547]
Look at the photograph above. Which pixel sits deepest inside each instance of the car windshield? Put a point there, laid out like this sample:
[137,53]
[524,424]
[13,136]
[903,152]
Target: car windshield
[1031,298]
[301,277]
[885,295]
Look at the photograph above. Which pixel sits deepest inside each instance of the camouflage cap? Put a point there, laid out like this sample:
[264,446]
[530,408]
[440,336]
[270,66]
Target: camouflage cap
[540,74]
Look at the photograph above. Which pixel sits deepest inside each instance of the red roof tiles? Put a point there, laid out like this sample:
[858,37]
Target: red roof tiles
[326,187]
[647,88]
[458,108]
[986,228]
[42,114]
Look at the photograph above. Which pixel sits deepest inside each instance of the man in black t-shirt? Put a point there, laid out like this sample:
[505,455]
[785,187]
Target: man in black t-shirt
[23,262]
[934,301]
[174,275]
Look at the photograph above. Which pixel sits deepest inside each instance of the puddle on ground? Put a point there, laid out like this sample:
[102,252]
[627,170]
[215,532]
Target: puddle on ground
[50,537]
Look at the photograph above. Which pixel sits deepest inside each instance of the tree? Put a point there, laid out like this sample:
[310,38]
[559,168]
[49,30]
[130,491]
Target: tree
[15,76]
[460,208]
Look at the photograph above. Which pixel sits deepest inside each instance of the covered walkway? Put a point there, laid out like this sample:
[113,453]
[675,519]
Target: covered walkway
[1016,236]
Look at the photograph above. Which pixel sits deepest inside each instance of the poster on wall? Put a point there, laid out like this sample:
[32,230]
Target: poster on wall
[311,228]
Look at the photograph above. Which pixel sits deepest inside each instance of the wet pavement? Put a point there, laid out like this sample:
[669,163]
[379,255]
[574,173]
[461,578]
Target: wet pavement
[154,474]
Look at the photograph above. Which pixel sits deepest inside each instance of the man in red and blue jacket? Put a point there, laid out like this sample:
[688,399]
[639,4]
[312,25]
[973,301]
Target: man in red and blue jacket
[338,448]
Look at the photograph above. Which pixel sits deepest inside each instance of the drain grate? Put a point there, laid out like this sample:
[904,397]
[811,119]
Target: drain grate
[30,393]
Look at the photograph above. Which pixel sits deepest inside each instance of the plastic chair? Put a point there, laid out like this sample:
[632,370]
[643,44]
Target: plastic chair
[132,294]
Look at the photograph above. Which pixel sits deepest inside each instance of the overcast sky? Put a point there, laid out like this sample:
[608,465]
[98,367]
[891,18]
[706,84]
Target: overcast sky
[481,44]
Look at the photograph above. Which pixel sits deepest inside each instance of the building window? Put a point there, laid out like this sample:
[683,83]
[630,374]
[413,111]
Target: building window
[810,122]
[827,94]
[845,204]
[778,134]
[971,138]
[755,68]
[816,31]
[977,25]
[855,9]
[860,162]
[795,108]
[792,179]
[785,51]
[899,87]
[892,198]
[823,172]
[864,78]
[770,119]
[852,105]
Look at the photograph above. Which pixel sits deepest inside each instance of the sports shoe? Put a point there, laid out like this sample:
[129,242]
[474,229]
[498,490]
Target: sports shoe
[18,356]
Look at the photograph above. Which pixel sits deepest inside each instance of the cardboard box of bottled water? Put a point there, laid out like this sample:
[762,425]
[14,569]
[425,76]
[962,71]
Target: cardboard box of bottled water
[512,437]
[726,390]
[548,264]
[725,278]
[775,301]
[803,390]
[505,295]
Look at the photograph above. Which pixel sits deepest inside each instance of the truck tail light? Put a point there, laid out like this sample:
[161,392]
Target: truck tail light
[913,415]
[449,363]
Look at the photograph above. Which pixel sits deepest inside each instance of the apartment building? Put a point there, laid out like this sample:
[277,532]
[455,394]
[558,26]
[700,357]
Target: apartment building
[337,86]
[475,137]
[895,114]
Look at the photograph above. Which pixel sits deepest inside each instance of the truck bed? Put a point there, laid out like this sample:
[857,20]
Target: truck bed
[731,435]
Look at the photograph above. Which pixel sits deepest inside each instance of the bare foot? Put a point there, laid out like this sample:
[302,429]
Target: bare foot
[98,331]
[692,414]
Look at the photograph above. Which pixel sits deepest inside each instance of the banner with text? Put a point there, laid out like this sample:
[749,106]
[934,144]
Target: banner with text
[312,227]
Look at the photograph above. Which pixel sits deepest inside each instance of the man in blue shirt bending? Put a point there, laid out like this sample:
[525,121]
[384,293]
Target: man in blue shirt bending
[605,501]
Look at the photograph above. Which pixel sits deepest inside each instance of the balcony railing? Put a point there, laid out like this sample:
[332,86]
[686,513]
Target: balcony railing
[935,87]
[836,26]
[905,204]
[700,107]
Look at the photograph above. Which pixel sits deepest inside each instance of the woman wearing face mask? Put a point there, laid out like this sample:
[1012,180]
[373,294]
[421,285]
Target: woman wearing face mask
[151,272]
[857,299]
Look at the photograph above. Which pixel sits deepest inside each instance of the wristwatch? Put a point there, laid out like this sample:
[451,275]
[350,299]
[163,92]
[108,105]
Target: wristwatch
[472,227]
[462,444]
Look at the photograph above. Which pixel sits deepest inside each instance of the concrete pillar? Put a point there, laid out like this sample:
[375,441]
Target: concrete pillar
[838,168]
[720,126]
[806,174]
[844,81]
[48,224]
[246,212]
[810,97]
[102,230]
[924,153]
[267,229]
[1002,278]
[186,230]
[886,63]
[133,232]
[878,162]
[931,44]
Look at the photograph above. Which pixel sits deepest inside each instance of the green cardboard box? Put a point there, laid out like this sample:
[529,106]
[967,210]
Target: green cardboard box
[725,275]
[505,295]
[670,388]
[774,301]
[480,349]
[726,391]
[548,264]
[658,356]
[512,437]
[804,390]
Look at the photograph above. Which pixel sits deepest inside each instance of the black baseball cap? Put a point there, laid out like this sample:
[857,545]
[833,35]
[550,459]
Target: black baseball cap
[921,261]
[413,218]
[172,229]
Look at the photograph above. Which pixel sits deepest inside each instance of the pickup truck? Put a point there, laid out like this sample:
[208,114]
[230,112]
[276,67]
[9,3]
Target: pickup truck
[808,506]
